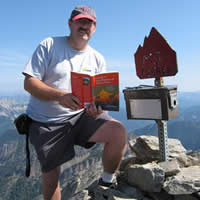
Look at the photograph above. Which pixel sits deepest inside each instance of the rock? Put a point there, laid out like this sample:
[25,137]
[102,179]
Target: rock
[194,159]
[163,195]
[185,197]
[197,195]
[147,148]
[187,181]
[127,162]
[195,154]
[131,191]
[78,180]
[103,193]
[72,187]
[148,177]
[7,150]
[82,195]
[182,160]
[170,167]
[188,160]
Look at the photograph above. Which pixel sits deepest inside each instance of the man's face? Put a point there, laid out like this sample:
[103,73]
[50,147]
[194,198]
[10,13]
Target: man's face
[82,29]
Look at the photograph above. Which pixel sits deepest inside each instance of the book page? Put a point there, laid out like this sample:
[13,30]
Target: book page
[105,90]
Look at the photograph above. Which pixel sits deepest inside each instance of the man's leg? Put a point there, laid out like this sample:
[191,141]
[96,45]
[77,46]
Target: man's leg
[51,185]
[113,134]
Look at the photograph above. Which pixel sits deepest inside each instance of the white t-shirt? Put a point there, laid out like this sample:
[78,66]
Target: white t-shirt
[52,62]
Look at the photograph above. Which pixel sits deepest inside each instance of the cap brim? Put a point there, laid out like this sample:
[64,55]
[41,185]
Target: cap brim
[84,16]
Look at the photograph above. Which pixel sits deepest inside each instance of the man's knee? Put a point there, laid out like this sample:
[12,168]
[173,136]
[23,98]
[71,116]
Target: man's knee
[118,132]
[112,132]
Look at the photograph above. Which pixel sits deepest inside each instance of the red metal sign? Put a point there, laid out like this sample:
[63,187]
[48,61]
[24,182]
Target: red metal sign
[156,58]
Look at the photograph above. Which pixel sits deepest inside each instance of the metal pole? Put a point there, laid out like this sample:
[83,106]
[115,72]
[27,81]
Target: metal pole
[162,130]
[163,139]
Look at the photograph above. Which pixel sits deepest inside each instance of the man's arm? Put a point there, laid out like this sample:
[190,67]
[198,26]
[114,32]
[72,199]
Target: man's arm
[42,91]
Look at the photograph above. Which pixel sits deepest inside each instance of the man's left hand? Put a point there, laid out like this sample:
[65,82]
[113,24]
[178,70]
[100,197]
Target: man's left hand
[93,111]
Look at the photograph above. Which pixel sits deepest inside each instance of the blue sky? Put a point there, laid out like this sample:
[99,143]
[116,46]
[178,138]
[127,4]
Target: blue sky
[121,27]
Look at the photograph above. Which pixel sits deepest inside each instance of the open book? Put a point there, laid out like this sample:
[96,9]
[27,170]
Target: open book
[102,88]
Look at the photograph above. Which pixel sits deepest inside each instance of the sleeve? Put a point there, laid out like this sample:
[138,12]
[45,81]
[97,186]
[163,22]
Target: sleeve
[101,64]
[38,63]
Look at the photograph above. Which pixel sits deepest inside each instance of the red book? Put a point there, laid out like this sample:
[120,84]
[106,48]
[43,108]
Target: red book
[102,89]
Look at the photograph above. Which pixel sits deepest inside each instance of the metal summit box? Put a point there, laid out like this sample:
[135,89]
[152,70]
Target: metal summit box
[153,103]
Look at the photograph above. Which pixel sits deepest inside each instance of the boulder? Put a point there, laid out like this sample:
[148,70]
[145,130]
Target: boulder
[185,197]
[131,191]
[148,177]
[163,195]
[170,167]
[187,181]
[147,147]
[82,195]
[102,193]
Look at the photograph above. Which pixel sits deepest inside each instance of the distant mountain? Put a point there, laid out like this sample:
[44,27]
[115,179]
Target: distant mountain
[19,97]
[184,130]
[13,183]
[9,110]
[188,99]
[191,113]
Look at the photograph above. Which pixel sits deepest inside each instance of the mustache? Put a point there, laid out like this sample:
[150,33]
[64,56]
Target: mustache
[83,29]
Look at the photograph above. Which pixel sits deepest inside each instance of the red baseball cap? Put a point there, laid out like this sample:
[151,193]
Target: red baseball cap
[83,12]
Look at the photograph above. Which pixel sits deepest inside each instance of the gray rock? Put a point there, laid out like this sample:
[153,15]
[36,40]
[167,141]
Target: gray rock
[82,195]
[148,177]
[103,193]
[182,160]
[170,167]
[188,160]
[187,181]
[131,191]
[147,147]
[185,197]
[163,195]
[193,159]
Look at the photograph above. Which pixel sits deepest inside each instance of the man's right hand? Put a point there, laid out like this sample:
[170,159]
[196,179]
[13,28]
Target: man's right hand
[70,101]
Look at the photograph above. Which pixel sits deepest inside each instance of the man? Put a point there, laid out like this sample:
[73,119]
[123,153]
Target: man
[58,122]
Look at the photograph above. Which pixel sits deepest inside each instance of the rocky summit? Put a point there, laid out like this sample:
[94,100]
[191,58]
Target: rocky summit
[143,176]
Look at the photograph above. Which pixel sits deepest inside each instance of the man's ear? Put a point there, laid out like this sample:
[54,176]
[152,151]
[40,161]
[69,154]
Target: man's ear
[69,23]
[95,27]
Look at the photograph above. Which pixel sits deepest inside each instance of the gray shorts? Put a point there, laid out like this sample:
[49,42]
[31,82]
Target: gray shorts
[54,143]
